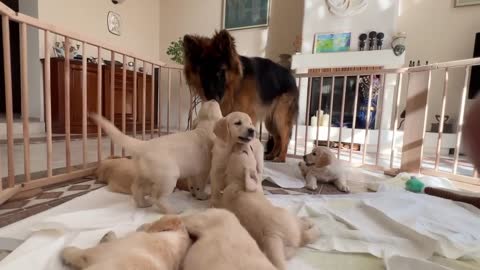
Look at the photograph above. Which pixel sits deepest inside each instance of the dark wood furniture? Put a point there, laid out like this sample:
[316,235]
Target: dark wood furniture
[57,66]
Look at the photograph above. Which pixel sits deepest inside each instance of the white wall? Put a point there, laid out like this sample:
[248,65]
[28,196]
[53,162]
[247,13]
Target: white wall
[438,32]
[139,19]
[180,17]
[379,16]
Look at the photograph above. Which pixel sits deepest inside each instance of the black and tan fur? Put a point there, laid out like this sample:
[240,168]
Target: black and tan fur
[259,87]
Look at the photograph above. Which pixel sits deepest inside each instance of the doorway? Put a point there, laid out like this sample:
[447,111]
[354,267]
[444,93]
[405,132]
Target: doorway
[15,63]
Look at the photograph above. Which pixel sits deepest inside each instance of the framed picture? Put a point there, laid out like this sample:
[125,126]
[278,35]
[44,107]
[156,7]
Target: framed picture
[463,3]
[332,42]
[113,23]
[242,14]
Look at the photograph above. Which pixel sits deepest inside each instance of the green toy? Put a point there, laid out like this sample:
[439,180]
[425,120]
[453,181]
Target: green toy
[415,185]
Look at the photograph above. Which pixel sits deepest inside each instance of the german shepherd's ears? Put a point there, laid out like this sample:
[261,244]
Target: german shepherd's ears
[192,48]
[224,43]
[221,129]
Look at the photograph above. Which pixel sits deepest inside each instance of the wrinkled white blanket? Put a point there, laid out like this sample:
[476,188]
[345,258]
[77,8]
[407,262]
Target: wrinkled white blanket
[382,224]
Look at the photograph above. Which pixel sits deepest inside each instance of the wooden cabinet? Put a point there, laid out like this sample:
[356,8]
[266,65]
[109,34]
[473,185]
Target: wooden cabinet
[57,76]
[117,101]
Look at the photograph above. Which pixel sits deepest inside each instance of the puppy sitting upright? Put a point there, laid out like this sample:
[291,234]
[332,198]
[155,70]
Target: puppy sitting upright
[278,232]
[321,165]
[160,162]
[235,128]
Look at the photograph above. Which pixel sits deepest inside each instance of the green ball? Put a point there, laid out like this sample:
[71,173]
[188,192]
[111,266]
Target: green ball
[414,185]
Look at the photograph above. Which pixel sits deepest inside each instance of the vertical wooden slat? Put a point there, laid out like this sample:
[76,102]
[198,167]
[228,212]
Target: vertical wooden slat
[416,111]
[296,122]
[99,102]
[180,99]
[159,107]
[395,117]
[319,109]
[67,105]
[48,102]
[307,113]
[84,106]
[8,98]
[152,105]
[124,98]
[460,118]
[442,115]
[332,92]
[144,102]
[168,99]
[354,122]
[369,104]
[112,97]
[342,112]
[135,75]
[24,94]
[381,98]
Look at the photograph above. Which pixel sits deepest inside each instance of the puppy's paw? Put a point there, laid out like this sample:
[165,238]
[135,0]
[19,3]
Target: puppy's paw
[279,160]
[306,223]
[343,188]
[269,157]
[312,186]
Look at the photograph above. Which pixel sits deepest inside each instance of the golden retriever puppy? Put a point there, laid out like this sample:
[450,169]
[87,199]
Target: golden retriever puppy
[221,243]
[117,173]
[235,128]
[160,162]
[321,165]
[278,232]
[161,245]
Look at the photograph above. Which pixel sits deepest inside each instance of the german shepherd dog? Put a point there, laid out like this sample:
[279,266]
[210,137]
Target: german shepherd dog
[256,86]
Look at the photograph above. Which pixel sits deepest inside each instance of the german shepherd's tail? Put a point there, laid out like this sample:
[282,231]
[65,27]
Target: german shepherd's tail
[130,143]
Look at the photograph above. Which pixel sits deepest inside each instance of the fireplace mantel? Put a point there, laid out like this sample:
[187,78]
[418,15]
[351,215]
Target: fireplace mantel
[377,58]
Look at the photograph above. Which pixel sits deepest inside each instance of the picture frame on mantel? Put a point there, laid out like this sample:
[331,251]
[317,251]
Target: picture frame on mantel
[465,3]
[245,14]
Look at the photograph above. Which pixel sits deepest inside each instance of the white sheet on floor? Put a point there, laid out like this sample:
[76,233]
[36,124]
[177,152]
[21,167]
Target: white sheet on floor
[285,175]
[382,224]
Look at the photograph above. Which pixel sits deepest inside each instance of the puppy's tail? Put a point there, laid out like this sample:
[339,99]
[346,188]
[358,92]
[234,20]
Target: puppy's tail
[130,143]
[310,232]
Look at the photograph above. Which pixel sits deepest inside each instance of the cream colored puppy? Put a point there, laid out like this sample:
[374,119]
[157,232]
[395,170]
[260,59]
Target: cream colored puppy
[221,243]
[160,162]
[278,232]
[162,245]
[321,165]
[235,128]
[118,173]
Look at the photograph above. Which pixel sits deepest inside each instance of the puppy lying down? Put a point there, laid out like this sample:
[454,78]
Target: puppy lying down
[321,165]
[278,232]
[161,245]
[160,162]
[221,243]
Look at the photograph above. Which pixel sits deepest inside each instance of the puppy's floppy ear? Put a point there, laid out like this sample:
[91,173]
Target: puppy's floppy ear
[192,48]
[324,159]
[221,129]
[251,180]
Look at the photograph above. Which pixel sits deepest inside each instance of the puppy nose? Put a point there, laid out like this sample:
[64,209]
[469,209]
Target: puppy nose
[251,131]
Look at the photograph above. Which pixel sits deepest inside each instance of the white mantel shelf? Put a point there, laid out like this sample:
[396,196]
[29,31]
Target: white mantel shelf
[383,58]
